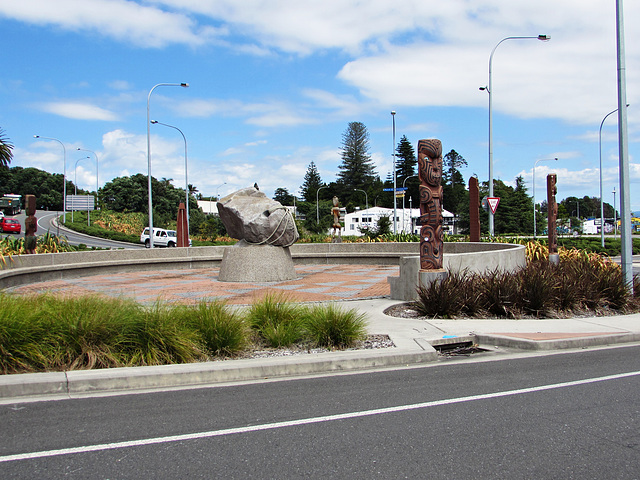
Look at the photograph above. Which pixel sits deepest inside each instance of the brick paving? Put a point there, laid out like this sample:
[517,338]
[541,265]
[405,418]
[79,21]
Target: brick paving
[315,283]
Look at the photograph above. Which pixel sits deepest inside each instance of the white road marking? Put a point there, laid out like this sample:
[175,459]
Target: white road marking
[306,421]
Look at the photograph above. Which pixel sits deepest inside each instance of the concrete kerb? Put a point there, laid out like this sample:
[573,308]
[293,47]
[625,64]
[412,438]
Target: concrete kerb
[121,380]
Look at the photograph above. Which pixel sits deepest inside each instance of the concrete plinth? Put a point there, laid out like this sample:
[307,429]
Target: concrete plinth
[256,263]
[427,277]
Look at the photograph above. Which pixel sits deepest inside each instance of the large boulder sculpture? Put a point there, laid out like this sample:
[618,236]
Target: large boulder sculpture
[250,215]
[265,230]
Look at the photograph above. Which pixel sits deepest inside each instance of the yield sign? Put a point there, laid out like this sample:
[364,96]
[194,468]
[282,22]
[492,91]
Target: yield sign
[493,203]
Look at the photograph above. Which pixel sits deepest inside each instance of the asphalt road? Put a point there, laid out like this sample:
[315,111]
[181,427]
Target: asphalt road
[568,415]
[45,224]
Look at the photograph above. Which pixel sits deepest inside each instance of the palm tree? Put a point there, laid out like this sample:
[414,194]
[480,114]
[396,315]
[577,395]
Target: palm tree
[5,150]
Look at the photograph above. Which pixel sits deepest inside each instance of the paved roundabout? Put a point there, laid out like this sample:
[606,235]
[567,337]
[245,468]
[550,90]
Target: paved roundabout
[314,283]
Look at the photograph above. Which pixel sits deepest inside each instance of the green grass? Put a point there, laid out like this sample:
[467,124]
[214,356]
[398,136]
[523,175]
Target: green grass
[334,327]
[49,333]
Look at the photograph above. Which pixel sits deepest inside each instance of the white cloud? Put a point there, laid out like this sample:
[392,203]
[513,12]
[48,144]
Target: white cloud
[124,20]
[78,111]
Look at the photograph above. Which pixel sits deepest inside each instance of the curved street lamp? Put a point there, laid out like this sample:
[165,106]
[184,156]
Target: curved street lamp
[75,182]
[186,180]
[97,181]
[404,193]
[601,200]
[184,85]
[366,197]
[534,190]
[64,176]
[543,38]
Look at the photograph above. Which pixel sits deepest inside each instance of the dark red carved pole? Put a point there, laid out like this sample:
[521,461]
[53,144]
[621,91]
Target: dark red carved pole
[30,225]
[552,214]
[182,230]
[430,174]
[474,210]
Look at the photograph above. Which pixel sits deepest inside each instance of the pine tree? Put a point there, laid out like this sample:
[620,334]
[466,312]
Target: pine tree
[454,190]
[312,182]
[406,162]
[357,169]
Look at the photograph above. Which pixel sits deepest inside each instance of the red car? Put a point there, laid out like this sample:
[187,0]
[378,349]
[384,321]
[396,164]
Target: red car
[10,225]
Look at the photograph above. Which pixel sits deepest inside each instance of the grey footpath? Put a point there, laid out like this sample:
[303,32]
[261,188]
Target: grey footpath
[414,341]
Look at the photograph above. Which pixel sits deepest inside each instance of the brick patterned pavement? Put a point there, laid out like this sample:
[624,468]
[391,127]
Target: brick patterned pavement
[315,283]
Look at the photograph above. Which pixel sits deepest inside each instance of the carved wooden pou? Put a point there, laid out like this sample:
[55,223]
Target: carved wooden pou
[430,174]
[552,212]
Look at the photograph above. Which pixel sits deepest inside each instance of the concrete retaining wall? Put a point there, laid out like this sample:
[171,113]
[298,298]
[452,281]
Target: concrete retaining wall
[474,257]
[25,269]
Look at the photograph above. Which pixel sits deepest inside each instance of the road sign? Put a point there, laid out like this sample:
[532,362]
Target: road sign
[493,203]
[80,202]
[399,189]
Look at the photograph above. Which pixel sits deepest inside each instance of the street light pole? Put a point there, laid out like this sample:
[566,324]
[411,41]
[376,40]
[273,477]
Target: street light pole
[366,197]
[489,90]
[218,190]
[318,204]
[601,199]
[97,182]
[395,215]
[404,193]
[75,181]
[184,85]
[186,179]
[534,191]
[64,176]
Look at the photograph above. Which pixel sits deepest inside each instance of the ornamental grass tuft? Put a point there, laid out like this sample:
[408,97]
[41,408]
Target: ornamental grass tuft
[277,320]
[334,327]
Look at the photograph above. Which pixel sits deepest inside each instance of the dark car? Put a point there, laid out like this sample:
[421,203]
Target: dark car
[10,225]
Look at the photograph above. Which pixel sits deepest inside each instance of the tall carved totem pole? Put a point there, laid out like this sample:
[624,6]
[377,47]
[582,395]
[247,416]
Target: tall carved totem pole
[430,174]
[552,215]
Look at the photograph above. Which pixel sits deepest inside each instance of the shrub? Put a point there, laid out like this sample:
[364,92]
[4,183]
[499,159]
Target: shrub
[331,326]
[499,292]
[276,320]
[444,298]
[221,330]
[537,285]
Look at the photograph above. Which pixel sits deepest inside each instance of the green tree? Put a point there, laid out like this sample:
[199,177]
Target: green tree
[406,173]
[283,196]
[357,169]
[454,191]
[312,182]
[6,147]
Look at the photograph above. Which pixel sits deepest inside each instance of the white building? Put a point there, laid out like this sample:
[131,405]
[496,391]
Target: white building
[407,220]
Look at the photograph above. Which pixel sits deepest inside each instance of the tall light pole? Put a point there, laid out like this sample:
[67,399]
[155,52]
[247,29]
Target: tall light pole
[186,179]
[318,204]
[97,181]
[534,191]
[366,197]
[218,190]
[395,214]
[184,85]
[64,176]
[404,192]
[626,249]
[601,199]
[75,181]
[489,90]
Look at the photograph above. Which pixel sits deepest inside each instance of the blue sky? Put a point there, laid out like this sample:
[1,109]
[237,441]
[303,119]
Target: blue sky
[274,83]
